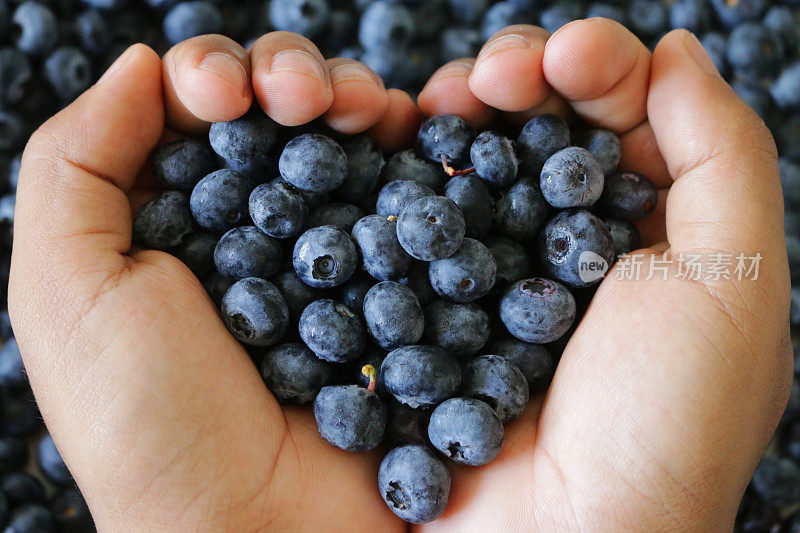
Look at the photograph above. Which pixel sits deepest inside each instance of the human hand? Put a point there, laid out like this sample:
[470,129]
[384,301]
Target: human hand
[669,391]
[157,410]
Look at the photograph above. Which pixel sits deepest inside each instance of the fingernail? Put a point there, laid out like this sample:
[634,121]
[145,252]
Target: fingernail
[116,66]
[298,61]
[509,41]
[351,71]
[226,67]
[699,54]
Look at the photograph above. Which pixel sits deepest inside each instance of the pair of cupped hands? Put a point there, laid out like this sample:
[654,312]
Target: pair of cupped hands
[663,401]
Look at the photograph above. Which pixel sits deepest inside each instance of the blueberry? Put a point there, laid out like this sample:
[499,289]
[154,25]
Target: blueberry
[469,11]
[733,13]
[278,209]
[386,25]
[559,14]
[457,42]
[783,20]
[21,488]
[30,518]
[69,71]
[624,235]
[628,196]
[163,222]
[756,96]
[325,257]
[420,376]
[410,166]
[180,165]
[339,30]
[216,285]
[414,483]
[332,331]
[522,211]
[608,11]
[355,290]
[245,142]
[364,165]
[392,65]
[495,160]
[219,200]
[296,294]
[377,238]
[466,430]
[13,131]
[254,312]
[306,17]
[691,15]
[197,252]
[573,241]
[716,46]
[431,228]
[754,50]
[350,417]
[12,370]
[51,463]
[604,146]
[465,276]
[538,310]
[647,18]
[497,382]
[499,16]
[70,512]
[93,32]
[313,162]
[418,281]
[341,215]
[572,177]
[20,416]
[35,29]
[461,329]
[512,260]
[541,137]
[446,136]
[535,362]
[15,75]
[475,202]
[245,252]
[191,19]
[13,454]
[393,315]
[777,481]
[293,373]
[407,425]
[786,89]
[395,195]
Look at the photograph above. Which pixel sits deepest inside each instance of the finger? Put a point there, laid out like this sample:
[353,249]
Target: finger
[448,92]
[398,127]
[290,78]
[726,194]
[508,71]
[602,69]
[640,154]
[359,97]
[206,79]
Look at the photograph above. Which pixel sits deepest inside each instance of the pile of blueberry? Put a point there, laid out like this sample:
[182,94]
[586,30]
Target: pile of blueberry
[417,301]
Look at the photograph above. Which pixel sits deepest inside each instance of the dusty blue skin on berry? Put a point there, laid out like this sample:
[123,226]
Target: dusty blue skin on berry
[754,50]
[325,257]
[777,481]
[420,376]
[461,329]
[512,260]
[12,370]
[51,463]
[628,196]
[341,215]
[499,16]
[293,373]
[21,487]
[197,252]
[296,294]
[783,21]
[604,146]
[92,31]
[216,285]
[355,290]
[163,222]
[540,138]
[407,425]
[535,361]
[692,15]
[446,135]
[566,238]
[560,13]
[475,201]
[278,210]
[254,312]
[495,160]
[386,25]
[306,17]
[69,71]
[313,162]
[245,141]
[521,212]
[648,18]
[180,165]
[245,252]
[350,417]
[624,235]
[384,258]
[332,331]
[467,431]
[15,74]
[733,13]
[572,177]
[190,19]
[538,310]
[431,228]
[219,200]
[37,28]
[364,165]
[457,42]
[29,518]
[786,89]
[410,166]
[414,483]
[396,195]
[393,315]
[465,276]
[497,382]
